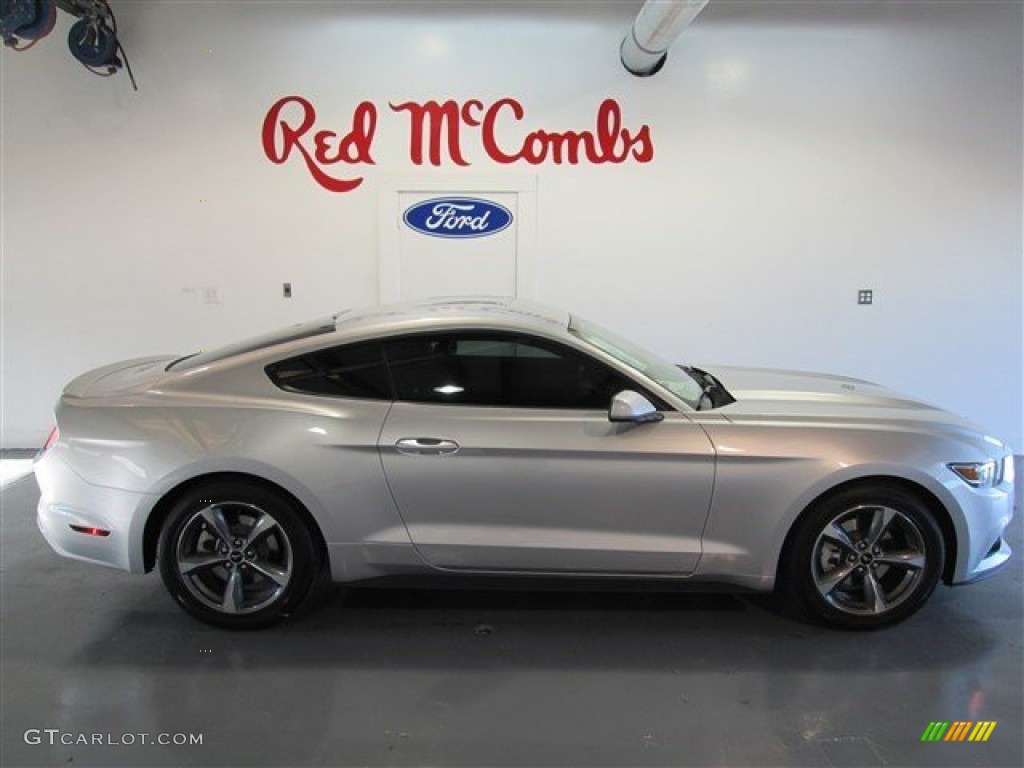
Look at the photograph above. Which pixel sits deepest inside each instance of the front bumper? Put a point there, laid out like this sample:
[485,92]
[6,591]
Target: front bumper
[982,550]
[991,564]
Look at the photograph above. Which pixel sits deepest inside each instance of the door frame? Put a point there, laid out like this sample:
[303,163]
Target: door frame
[389,220]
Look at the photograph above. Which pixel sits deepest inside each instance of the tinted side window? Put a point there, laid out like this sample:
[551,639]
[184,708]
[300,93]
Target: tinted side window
[503,370]
[356,370]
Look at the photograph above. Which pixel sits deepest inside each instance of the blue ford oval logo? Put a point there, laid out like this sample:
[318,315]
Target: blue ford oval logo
[458,217]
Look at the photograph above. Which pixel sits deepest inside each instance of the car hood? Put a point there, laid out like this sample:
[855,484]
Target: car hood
[769,392]
[797,397]
[763,386]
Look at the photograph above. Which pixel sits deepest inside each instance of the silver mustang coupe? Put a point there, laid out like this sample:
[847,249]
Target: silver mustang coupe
[497,438]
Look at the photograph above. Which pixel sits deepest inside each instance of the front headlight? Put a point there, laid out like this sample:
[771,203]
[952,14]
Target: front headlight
[979,474]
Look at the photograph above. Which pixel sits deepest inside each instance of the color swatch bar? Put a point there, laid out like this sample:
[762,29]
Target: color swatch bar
[960,730]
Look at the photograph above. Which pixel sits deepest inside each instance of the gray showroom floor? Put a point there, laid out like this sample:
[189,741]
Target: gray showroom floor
[480,679]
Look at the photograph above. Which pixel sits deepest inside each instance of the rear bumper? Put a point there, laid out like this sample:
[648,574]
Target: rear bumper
[68,502]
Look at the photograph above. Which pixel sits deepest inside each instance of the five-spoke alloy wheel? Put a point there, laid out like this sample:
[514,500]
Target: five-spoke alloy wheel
[866,557]
[237,555]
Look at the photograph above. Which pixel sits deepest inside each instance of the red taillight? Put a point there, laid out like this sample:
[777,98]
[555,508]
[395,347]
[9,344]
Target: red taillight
[89,531]
[53,437]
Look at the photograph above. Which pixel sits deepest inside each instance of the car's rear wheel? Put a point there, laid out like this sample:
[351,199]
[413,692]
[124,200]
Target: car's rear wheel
[237,555]
[865,558]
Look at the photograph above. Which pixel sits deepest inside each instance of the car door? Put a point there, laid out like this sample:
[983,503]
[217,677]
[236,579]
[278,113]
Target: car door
[500,456]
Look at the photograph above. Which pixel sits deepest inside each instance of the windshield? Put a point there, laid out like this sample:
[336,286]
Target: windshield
[272,339]
[645,363]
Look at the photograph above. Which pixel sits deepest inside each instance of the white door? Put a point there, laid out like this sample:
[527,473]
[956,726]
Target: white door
[436,262]
[448,237]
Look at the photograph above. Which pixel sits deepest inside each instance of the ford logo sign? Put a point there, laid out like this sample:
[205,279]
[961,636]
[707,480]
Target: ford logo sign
[457,217]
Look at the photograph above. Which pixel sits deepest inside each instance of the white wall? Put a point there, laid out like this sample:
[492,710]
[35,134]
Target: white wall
[803,151]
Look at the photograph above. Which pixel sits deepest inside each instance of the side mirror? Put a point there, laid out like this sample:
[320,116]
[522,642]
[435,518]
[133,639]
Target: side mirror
[630,406]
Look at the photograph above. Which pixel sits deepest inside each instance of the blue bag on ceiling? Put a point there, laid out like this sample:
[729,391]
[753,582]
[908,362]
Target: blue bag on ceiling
[26,19]
[92,42]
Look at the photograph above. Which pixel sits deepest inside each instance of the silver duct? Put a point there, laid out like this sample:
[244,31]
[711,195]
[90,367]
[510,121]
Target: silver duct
[655,28]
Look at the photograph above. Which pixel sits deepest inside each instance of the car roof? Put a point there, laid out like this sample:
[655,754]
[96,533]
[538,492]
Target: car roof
[488,312]
[470,311]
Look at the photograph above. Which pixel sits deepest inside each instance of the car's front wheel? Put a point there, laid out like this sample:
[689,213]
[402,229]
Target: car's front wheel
[866,557]
[237,555]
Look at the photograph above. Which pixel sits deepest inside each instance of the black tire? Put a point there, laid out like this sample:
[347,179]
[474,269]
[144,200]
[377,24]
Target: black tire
[864,558]
[238,555]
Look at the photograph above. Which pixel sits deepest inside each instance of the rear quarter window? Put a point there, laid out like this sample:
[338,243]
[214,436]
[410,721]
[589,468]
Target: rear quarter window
[355,370]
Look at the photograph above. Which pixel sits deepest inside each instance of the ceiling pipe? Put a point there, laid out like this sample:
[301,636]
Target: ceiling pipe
[645,48]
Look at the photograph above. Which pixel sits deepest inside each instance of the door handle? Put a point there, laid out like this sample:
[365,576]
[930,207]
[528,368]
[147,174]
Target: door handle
[422,446]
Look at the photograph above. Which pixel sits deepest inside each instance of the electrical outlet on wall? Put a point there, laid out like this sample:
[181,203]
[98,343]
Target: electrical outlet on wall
[287,290]
[865,296]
